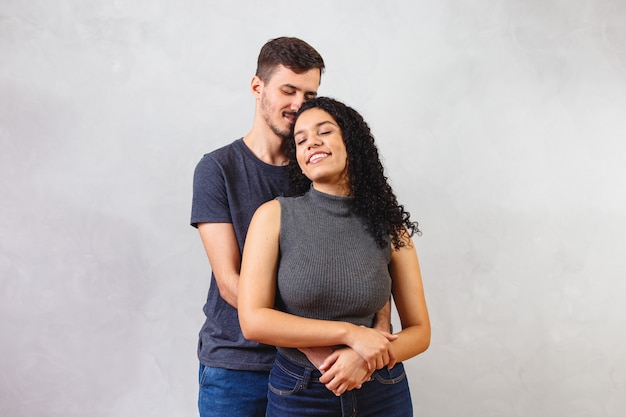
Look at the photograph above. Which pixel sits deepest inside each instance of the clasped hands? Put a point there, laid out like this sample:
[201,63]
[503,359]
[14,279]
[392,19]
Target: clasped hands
[345,368]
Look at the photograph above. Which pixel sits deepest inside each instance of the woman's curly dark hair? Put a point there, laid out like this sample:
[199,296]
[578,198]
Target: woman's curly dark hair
[373,197]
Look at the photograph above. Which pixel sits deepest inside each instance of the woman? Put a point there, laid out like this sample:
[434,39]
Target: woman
[318,266]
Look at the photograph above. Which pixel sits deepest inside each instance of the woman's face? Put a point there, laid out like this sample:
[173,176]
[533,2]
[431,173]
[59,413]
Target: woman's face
[321,152]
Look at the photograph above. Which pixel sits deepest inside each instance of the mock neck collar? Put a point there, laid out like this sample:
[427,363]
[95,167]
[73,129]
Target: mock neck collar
[335,204]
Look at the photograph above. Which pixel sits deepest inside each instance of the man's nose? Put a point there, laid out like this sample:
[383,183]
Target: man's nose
[297,102]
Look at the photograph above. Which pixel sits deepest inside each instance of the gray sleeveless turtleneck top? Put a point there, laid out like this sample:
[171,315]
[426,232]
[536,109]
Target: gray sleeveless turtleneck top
[330,267]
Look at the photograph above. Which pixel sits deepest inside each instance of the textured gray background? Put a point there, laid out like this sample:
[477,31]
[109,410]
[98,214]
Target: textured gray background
[502,125]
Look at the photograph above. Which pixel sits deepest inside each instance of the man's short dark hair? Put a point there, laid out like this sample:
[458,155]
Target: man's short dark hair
[292,53]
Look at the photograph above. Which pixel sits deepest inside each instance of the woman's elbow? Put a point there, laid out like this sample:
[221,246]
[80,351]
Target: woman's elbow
[247,326]
[426,342]
[425,339]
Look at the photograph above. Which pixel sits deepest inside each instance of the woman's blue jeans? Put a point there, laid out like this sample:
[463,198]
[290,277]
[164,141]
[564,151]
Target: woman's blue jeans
[296,391]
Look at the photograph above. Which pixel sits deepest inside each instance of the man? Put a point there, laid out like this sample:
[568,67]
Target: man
[230,183]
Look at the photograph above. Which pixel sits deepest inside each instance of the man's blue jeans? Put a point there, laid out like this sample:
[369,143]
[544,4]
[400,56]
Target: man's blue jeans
[296,391]
[226,392]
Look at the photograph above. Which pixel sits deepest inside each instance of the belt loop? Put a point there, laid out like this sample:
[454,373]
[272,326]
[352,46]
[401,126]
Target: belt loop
[306,378]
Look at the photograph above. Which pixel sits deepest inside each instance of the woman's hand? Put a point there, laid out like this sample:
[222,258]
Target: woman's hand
[344,370]
[374,346]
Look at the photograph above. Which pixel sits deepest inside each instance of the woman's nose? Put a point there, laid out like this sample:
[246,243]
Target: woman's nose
[314,141]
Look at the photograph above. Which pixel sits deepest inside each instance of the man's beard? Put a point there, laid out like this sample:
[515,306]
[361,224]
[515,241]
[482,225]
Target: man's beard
[266,115]
[283,135]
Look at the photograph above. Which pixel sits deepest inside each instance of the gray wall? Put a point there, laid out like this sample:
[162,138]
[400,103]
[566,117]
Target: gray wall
[502,126]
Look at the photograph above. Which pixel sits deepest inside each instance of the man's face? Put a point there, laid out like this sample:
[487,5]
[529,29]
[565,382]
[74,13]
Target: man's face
[282,96]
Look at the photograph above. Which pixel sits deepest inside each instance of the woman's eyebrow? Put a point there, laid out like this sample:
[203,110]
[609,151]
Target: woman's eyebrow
[316,125]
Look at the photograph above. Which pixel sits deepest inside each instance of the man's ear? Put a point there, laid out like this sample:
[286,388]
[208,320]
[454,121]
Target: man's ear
[256,86]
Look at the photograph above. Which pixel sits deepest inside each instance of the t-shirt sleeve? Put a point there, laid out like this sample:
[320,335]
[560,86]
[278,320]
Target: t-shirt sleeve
[210,199]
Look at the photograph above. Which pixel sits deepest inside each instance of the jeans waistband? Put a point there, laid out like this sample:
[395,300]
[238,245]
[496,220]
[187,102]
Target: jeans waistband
[307,373]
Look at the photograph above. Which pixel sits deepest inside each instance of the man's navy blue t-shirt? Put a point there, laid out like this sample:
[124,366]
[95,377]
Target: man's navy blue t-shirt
[229,184]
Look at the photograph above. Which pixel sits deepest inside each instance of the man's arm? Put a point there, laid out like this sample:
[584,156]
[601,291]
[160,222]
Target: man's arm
[382,320]
[220,244]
